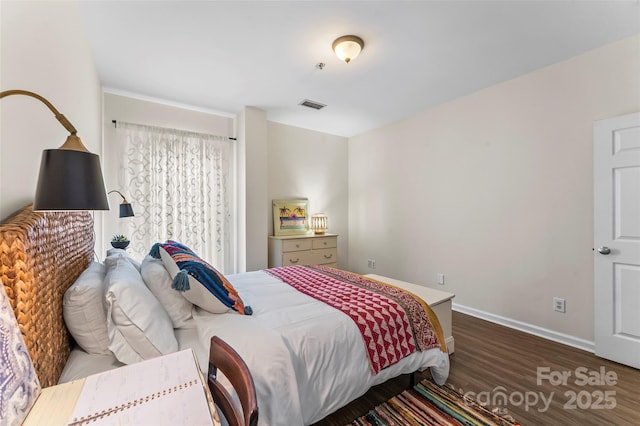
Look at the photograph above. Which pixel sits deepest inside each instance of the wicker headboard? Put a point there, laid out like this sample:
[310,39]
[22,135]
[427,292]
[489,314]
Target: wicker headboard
[41,255]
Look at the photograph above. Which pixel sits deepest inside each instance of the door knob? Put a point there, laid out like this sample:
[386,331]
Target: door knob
[604,250]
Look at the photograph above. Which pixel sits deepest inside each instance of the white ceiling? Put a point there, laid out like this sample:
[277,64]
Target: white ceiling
[224,55]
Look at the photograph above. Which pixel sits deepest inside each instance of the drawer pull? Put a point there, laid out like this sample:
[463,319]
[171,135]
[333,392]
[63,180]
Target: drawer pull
[294,261]
[329,256]
[325,243]
[297,245]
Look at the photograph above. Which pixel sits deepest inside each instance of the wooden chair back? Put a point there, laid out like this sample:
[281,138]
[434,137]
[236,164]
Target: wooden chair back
[224,358]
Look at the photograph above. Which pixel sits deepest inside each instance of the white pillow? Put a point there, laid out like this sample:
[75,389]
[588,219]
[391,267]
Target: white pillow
[139,327]
[158,280]
[84,310]
[114,251]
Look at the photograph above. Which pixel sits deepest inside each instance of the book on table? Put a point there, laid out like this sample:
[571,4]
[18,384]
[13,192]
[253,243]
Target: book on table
[165,390]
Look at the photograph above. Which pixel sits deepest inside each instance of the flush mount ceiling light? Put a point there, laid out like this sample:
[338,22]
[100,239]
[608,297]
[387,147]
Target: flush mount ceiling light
[348,47]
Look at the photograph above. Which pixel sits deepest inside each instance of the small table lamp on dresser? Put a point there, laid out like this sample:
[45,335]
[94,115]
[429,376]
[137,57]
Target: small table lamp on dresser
[319,223]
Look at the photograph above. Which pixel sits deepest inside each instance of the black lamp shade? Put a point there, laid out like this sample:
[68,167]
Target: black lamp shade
[70,180]
[126,210]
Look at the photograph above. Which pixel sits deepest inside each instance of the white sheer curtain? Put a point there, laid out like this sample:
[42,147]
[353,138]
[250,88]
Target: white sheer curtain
[179,185]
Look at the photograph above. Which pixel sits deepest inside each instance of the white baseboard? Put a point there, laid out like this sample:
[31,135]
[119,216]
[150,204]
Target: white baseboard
[565,339]
[451,344]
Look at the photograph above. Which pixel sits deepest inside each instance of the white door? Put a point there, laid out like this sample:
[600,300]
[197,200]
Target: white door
[617,238]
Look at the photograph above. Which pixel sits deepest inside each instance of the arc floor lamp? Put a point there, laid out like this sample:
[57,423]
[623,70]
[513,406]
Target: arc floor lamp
[70,176]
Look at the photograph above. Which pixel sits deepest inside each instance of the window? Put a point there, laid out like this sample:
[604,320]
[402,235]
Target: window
[179,183]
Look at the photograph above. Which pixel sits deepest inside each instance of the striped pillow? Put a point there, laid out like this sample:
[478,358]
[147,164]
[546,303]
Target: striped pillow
[198,280]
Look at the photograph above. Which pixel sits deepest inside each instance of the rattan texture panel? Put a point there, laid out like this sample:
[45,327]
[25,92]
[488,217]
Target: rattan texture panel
[41,255]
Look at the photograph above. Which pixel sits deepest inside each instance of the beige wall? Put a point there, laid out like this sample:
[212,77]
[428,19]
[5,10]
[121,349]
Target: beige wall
[51,58]
[252,184]
[308,164]
[495,190]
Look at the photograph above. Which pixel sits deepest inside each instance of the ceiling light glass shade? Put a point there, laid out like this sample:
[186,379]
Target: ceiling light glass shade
[70,180]
[348,47]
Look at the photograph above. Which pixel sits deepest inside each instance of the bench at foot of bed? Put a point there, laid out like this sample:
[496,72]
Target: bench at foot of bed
[439,301]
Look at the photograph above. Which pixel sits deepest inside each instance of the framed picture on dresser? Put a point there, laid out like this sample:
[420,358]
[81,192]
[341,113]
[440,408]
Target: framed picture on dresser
[291,217]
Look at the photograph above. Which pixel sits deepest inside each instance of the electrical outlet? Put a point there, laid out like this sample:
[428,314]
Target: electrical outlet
[371,263]
[559,305]
[440,279]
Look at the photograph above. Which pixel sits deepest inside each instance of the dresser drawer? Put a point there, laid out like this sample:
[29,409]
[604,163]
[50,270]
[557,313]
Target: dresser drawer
[303,250]
[325,242]
[296,245]
[321,256]
[297,258]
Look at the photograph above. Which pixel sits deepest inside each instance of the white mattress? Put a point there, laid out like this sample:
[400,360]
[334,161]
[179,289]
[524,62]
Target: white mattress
[301,376]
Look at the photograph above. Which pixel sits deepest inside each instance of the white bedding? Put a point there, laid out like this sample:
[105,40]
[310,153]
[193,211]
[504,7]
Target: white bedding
[301,375]
[81,364]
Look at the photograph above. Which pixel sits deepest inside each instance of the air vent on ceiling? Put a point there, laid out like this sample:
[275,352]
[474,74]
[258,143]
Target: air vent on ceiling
[311,104]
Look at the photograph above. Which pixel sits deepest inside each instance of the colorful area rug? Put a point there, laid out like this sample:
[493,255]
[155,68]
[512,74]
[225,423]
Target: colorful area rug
[430,404]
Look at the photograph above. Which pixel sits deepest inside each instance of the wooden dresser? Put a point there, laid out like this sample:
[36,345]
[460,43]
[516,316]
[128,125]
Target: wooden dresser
[303,250]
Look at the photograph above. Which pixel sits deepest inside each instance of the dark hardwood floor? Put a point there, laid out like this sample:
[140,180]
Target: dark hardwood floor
[491,360]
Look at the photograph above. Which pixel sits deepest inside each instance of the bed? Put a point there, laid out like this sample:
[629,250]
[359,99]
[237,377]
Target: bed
[301,376]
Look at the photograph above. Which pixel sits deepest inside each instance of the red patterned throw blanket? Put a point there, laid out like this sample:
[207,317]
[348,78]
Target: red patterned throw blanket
[393,322]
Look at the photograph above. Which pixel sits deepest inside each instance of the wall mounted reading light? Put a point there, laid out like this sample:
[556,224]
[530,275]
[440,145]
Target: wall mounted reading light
[70,177]
[125,207]
[348,47]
